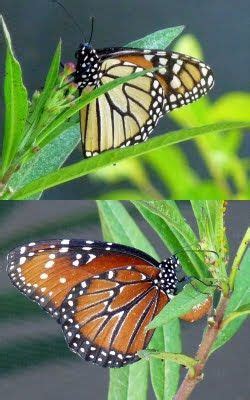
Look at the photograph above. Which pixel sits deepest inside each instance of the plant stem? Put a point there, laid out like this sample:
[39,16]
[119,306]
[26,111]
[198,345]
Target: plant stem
[240,252]
[189,383]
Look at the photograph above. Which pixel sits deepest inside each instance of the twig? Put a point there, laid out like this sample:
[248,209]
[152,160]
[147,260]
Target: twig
[211,333]
[192,379]
[240,252]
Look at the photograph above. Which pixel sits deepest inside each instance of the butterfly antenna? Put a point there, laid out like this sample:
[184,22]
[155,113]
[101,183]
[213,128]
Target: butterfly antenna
[188,279]
[92,29]
[71,16]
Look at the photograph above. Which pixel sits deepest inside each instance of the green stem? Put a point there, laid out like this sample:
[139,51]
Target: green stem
[236,263]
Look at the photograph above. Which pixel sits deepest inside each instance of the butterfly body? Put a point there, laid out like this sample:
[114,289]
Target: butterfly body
[127,115]
[102,294]
[87,68]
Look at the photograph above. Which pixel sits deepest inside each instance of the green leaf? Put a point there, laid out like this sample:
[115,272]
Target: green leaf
[179,305]
[233,106]
[122,228]
[165,374]
[85,167]
[240,297]
[168,222]
[50,84]
[16,104]
[179,162]
[158,40]
[210,220]
[178,358]
[243,310]
[48,159]
[133,171]
[129,383]
[188,44]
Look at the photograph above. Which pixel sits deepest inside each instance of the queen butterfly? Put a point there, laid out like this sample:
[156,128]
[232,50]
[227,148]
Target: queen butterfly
[102,294]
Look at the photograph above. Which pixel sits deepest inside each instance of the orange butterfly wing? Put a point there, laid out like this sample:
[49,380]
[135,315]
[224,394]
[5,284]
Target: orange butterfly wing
[104,318]
[47,271]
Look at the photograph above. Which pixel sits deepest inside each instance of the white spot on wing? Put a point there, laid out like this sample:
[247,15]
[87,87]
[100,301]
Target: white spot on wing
[91,257]
[22,250]
[175,83]
[63,249]
[49,264]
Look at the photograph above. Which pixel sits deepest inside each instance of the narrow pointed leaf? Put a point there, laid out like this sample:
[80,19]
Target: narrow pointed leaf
[159,39]
[85,167]
[241,311]
[178,358]
[48,159]
[165,374]
[50,83]
[166,219]
[16,104]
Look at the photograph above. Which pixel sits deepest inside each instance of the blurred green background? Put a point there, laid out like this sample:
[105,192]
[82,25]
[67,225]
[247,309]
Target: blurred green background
[213,166]
[34,359]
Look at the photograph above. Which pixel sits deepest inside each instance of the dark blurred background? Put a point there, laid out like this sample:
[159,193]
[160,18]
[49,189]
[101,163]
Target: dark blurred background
[34,359]
[221,26]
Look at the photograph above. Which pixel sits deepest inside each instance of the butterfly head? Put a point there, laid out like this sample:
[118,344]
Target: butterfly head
[87,67]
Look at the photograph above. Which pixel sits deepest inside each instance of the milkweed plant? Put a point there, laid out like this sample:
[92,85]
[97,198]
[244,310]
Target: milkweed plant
[42,130]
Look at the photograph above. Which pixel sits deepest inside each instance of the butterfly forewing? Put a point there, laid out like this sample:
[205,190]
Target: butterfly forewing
[47,271]
[127,114]
[104,318]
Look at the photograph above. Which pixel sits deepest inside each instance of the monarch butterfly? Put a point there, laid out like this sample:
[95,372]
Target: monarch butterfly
[102,294]
[126,115]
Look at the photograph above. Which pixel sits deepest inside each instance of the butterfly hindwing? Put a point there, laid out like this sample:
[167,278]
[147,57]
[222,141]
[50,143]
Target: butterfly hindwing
[104,317]
[127,114]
